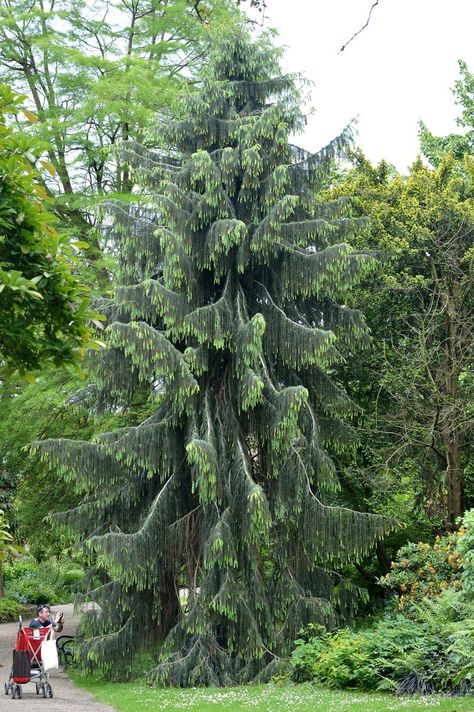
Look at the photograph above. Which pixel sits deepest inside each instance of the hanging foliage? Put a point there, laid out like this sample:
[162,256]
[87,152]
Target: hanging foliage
[229,315]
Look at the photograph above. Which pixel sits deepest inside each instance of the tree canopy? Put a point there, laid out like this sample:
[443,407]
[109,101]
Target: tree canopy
[416,384]
[97,75]
[459,144]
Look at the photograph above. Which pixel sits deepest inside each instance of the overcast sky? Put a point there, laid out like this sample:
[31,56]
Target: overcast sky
[400,69]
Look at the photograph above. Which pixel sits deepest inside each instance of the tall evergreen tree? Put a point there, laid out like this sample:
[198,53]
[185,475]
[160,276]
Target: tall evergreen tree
[229,316]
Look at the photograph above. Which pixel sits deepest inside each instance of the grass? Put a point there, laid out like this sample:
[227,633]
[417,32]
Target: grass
[136,697]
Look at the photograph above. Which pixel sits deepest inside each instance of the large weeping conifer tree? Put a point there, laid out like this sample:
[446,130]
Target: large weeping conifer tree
[229,316]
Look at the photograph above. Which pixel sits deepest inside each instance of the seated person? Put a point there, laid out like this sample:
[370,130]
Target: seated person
[43,619]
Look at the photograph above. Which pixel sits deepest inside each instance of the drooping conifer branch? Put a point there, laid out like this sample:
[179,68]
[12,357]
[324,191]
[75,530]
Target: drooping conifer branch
[234,273]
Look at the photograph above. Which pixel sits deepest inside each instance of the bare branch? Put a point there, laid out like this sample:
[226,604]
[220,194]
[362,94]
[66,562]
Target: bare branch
[361,29]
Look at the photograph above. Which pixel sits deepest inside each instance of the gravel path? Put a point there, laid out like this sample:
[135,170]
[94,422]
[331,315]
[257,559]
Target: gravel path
[67,697]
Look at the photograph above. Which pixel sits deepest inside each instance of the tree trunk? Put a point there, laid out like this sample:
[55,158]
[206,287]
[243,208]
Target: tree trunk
[169,607]
[454,480]
[451,434]
[2,586]
[382,558]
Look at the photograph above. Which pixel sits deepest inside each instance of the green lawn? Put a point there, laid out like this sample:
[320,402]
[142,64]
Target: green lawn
[133,697]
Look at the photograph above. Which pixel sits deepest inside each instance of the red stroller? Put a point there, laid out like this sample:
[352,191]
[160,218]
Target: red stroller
[29,640]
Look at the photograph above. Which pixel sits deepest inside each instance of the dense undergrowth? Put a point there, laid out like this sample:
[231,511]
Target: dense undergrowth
[422,642]
[29,582]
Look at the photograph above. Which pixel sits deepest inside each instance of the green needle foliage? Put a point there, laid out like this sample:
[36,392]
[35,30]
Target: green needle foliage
[229,316]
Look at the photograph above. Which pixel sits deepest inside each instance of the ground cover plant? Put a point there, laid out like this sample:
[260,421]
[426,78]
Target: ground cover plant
[134,697]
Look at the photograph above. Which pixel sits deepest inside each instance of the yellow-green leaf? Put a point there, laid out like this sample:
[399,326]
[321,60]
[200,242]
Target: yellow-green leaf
[30,116]
[41,191]
[49,167]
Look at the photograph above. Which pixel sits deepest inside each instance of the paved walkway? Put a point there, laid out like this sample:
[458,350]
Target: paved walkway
[67,697]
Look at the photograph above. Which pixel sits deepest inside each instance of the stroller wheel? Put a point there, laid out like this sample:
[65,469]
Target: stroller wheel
[37,689]
[44,691]
[19,692]
[50,690]
[7,688]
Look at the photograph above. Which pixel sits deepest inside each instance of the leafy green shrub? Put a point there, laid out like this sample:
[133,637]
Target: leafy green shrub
[19,568]
[465,549]
[9,610]
[32,589]
[422,569]
[339,660]
[27,581]
[307,649]
[71,579]
[372,658]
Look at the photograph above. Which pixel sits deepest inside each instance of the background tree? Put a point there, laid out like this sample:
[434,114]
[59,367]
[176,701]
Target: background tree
[97,75]
[228,317]
[416,386]
[43,307]
[435,147]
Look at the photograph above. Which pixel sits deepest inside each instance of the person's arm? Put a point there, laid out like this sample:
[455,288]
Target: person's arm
[35,623]
[59,624]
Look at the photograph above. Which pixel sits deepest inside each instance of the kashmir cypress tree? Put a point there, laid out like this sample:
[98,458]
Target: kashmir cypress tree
[229,316]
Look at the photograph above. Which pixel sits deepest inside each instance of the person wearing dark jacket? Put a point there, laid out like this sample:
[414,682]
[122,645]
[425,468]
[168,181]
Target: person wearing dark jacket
[43,619]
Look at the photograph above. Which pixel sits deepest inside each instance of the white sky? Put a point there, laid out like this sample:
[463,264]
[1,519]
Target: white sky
[400,69]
